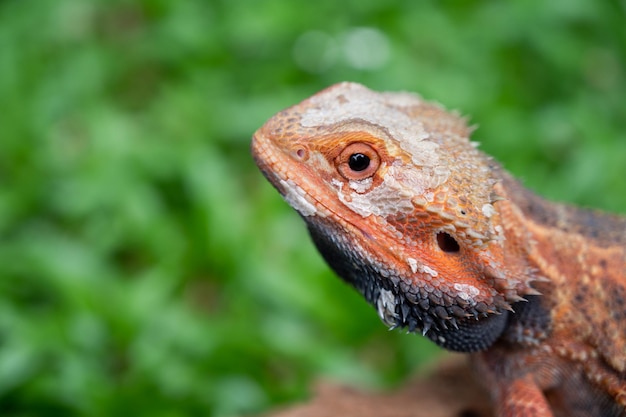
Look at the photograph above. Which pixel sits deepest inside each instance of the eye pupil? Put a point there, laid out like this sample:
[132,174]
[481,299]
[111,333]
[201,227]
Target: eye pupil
[358,161]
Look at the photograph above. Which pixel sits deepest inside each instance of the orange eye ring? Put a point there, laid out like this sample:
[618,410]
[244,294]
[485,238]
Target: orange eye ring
[358,161]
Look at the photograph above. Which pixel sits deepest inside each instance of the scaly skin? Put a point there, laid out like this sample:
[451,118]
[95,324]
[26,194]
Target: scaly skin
[442,241]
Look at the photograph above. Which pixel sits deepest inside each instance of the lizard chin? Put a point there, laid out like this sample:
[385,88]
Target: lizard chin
[401,304]
[459,335]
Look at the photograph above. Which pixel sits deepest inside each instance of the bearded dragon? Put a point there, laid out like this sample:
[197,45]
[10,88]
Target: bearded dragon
[442,241]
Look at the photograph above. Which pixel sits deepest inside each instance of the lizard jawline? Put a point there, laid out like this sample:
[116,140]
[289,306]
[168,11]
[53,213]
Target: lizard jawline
[403,305]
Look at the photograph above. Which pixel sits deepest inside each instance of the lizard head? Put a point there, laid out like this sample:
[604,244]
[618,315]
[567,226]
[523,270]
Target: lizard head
[401,205]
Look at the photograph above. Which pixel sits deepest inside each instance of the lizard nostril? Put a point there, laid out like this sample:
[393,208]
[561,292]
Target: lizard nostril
[301,153]
[447,243]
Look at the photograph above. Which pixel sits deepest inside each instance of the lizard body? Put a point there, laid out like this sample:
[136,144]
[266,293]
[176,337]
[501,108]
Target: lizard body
[442,241]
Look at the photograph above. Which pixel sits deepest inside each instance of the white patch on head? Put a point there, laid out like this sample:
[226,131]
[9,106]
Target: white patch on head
[401,181]
[337,184]
[416,267]
[389,198]
[296,197]
[499,236]
[488,210]
[353,101]
[429,271]
[400,185]
[386,307]
[361,186]
[466,292]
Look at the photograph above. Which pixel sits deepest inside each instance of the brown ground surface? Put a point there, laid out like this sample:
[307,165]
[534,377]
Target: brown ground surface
[449,390]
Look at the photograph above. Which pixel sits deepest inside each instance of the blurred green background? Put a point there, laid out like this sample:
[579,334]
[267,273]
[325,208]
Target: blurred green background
[147,268]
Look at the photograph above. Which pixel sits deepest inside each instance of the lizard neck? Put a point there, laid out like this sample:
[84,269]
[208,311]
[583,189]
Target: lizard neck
[581,256]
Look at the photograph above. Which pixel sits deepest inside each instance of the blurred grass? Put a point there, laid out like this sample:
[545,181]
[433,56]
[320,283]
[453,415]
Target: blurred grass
[147,269]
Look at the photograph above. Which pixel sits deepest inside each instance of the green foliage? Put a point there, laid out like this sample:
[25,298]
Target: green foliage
[146,267]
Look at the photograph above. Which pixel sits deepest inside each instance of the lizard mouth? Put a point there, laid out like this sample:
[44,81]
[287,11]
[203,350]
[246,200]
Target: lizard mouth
[275,166]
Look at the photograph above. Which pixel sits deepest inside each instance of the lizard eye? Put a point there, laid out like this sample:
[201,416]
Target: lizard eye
[358,161]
